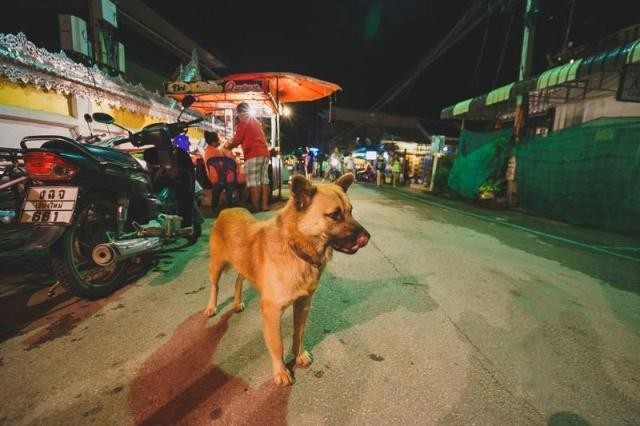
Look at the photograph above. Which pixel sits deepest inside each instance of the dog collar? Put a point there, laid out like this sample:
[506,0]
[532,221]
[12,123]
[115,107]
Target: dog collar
[304,256]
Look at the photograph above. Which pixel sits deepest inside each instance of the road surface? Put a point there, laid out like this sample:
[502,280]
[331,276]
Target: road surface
[451,315]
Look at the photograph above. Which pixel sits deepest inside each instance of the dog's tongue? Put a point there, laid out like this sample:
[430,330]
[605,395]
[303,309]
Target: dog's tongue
[362,240]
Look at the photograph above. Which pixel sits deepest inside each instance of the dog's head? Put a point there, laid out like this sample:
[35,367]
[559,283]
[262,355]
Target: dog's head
[324,212]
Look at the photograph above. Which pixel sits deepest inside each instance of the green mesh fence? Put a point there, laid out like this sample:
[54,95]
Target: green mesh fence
[587,175]
[480,156]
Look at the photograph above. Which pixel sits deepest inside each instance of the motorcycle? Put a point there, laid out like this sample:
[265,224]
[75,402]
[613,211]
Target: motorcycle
[98,208]
[13,182]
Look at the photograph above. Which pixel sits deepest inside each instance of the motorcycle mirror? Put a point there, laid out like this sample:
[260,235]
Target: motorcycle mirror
[103,118]
[187,101]
[88,118]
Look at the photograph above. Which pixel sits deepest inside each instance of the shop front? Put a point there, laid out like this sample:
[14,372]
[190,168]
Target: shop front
[573,153]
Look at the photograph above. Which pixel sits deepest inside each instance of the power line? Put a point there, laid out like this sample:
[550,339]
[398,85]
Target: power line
[451,38]
[476,75]
[504,50]
[466,24]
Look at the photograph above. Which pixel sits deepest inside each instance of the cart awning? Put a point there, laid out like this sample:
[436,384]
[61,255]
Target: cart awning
[269,88]
[290,87]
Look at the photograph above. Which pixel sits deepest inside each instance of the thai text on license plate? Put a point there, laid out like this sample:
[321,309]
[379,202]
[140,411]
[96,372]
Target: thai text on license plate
[49,204]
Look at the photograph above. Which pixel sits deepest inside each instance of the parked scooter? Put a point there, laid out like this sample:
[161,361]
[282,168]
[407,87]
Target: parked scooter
[13,182]
[97,207]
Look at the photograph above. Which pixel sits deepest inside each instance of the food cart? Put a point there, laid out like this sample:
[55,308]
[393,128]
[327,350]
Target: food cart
[266,93]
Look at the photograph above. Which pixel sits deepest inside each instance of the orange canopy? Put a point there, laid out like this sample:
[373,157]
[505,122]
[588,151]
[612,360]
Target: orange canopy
[267,88]
[289,87]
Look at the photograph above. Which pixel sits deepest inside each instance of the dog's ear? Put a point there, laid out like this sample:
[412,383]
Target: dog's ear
[303,191]
[345,181]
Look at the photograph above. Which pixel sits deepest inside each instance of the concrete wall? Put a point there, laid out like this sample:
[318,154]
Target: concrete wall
[26,110]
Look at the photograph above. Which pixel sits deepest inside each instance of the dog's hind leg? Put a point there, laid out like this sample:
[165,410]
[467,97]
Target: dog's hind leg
[301,309]
[238,304]
[215,269]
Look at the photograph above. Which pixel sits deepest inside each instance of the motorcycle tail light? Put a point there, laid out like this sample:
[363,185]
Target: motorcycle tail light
[42,165]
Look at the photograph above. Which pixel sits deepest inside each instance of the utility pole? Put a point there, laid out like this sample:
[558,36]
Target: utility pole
[526,57]
[565,44]
[528,35]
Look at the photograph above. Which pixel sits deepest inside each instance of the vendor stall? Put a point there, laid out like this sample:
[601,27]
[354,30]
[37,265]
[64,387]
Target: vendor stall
[266,93]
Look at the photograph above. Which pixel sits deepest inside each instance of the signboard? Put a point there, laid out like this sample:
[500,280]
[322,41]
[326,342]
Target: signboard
[371,155]
[240,86]
[629,88]
[194,87]
[437,143]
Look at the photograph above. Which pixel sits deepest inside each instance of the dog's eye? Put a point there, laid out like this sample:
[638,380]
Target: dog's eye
[337,215]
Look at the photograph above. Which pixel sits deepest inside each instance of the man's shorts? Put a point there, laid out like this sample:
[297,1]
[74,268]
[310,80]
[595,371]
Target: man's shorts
[257,171]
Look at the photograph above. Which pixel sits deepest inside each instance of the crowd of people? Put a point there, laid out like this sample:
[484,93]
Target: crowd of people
[328,167]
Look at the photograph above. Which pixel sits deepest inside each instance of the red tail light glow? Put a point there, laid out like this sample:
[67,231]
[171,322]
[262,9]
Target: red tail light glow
[42,165]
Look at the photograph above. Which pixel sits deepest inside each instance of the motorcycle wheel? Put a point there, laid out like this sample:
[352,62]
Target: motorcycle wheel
[71,256]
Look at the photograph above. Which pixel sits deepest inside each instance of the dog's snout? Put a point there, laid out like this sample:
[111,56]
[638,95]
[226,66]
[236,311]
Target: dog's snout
[363,238]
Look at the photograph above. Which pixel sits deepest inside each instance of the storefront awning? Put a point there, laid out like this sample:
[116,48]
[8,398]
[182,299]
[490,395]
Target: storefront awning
[558,75]
[461,107]
[487,106]
[500,94]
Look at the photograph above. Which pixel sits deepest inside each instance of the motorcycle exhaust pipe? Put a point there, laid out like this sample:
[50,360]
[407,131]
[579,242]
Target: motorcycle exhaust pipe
[109,253]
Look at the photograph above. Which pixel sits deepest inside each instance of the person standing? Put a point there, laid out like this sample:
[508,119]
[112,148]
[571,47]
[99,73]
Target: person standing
[351,165]
[380,168]
[250,136]
[395,170]
[308,163]
[335,165]
[325,167]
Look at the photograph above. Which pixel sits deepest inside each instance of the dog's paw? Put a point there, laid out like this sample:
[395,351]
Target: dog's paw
[210,311]
[283,377]
[304,360]
[239,307]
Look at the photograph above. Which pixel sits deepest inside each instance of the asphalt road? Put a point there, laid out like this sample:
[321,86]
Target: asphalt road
[451,315]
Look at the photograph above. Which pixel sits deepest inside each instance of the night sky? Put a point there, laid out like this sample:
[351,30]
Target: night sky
[366,46]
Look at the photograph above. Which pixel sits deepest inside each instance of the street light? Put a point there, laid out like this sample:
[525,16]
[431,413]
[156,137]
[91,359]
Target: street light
[286,111]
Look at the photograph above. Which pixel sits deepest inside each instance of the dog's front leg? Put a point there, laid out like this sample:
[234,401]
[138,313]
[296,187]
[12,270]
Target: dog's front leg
[301,309]
[271,317]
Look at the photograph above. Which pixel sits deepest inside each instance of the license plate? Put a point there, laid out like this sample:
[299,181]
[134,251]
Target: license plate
[49,204]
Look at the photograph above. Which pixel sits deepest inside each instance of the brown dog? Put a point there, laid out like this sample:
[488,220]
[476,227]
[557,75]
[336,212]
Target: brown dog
[284,256]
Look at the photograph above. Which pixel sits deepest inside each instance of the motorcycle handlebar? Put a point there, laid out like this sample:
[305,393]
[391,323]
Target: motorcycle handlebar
[174,129]
[197,120]
[179,127]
